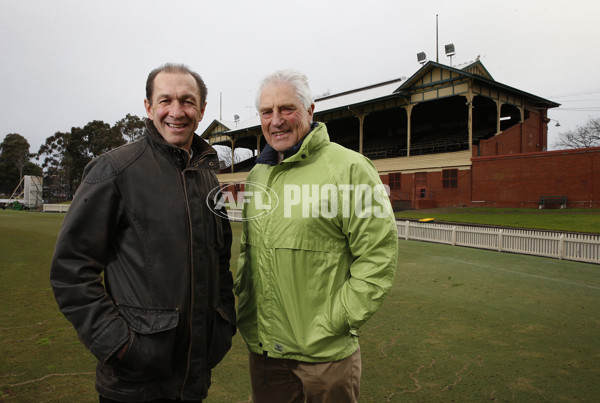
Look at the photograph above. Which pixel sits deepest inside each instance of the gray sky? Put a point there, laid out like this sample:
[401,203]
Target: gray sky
[68,62]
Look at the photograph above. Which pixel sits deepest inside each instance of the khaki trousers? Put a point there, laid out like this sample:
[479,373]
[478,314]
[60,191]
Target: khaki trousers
[290,381]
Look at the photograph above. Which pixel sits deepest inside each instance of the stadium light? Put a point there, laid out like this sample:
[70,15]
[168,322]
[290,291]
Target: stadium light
[450,51]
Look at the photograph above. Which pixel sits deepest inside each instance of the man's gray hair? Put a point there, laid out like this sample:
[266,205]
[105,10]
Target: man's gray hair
[294,78]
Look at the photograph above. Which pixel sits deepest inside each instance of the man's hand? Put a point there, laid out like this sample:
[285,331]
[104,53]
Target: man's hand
[122,352]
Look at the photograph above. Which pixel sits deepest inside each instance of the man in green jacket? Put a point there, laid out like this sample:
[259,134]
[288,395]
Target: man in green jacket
[318,253]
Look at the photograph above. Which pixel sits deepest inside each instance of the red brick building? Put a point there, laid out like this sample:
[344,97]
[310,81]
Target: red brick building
[446,136]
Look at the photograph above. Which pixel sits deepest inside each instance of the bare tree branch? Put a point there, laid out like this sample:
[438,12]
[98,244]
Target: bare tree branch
[584,136]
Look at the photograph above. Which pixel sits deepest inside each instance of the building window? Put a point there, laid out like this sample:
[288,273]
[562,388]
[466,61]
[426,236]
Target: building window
[420,179]
[421,185]
[450,178]
[394,180]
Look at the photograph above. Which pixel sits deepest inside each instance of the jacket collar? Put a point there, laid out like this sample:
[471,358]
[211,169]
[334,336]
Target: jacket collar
[202,155]
[316,137]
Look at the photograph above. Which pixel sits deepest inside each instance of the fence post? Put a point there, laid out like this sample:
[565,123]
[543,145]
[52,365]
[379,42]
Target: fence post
[406,229]
[500,240]
[561,246]
[454,235]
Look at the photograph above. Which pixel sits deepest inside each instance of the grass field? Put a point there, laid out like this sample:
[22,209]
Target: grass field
[458,325]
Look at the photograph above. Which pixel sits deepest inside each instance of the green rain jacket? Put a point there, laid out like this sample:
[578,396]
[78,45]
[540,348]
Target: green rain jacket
[318,252]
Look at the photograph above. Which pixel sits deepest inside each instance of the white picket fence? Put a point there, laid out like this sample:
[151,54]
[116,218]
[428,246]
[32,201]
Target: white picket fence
[55,208]
[234,215]
[568,246]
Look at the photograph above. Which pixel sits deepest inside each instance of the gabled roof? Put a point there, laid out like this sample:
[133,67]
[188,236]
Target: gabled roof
[475,67]
[227,125]
[473,71]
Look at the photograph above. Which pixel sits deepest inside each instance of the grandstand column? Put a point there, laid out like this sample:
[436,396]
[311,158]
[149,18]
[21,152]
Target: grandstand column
[258,137]
[522,113]
[470,122]
[408,109]
[499,108]
[232,153]
[361,123]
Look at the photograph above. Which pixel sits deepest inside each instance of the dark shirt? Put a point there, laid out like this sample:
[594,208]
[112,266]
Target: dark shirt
[270,156]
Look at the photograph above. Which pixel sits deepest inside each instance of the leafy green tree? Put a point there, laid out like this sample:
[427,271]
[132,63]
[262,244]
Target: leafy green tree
[53,153]
[14,162]
[131,127]
[67,154]
[64,155]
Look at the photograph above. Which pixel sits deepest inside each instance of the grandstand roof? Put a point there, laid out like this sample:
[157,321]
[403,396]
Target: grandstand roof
[476,71]
[327,103]
[254,121]
[225,124]
[358,96]
[388,89]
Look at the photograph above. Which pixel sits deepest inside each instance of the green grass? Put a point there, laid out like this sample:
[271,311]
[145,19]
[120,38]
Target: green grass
[576,220]
[459,325]
[42,359]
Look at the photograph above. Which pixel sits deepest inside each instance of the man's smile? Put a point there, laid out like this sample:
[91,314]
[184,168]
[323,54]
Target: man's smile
[176,126]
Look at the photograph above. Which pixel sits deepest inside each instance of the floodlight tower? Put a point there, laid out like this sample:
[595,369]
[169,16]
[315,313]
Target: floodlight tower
[450,51]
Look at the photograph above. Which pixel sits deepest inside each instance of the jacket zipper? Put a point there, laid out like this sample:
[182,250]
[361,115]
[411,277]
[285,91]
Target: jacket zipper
[191,285]
[191,255]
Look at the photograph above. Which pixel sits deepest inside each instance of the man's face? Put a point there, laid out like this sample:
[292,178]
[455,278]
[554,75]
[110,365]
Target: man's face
[176,107]
[283,119]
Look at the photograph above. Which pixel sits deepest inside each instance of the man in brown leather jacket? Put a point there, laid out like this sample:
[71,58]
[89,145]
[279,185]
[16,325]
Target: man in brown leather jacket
[141,265]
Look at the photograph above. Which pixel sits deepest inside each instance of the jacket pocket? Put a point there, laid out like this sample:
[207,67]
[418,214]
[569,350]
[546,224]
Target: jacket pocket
[152,337]
[221,338]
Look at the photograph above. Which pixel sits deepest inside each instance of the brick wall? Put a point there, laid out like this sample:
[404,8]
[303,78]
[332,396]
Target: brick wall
[426,190]
[526,137]
[520,180]
[508,181]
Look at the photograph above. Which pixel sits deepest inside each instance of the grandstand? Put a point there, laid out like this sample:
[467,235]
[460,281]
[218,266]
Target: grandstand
[446,136]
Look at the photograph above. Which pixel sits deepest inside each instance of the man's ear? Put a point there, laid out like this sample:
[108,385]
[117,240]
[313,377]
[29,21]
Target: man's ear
[311,110]
[148,107]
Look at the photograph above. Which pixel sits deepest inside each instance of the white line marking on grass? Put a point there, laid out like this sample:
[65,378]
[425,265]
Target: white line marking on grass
[510,271]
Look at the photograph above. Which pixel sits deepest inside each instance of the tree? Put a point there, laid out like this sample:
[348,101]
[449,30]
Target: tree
[584,136]
[14,158]
[67,154]
[131,127]
[56,161]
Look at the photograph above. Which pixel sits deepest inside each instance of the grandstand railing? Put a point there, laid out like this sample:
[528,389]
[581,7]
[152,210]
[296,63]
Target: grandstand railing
[559,245]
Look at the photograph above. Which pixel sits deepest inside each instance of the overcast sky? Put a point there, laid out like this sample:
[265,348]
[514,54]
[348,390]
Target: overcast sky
[68,62]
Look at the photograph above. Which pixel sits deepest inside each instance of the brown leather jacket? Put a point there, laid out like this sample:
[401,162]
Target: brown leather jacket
[141,217]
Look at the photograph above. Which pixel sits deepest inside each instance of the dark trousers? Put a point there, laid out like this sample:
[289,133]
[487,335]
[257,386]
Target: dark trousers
[282,380]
